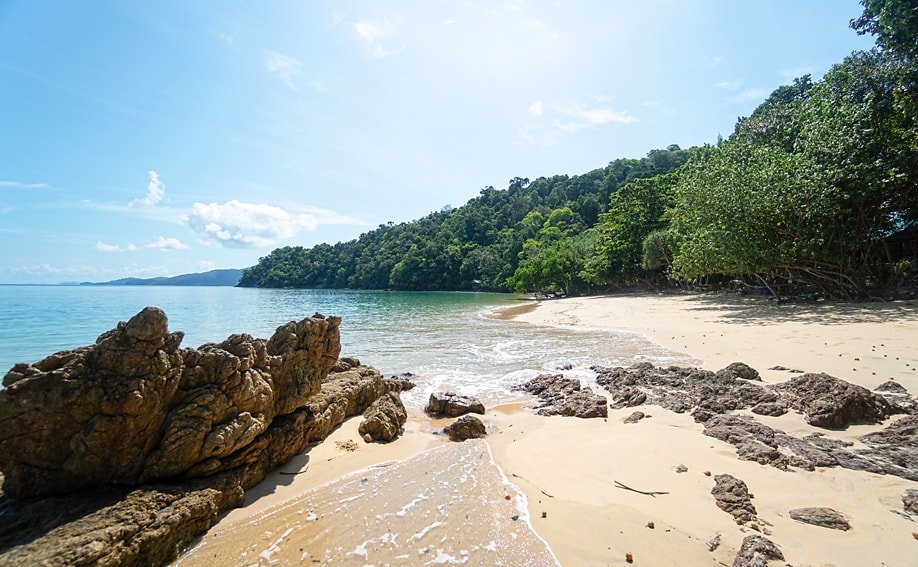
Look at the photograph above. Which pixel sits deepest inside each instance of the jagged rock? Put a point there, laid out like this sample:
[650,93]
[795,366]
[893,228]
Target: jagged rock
[891,387]
[824,517]
[466,427]
[770,408]
[681,468]
[754,441]
[384,419]
[742,370]
[683,389]
[826,401]
[732,497]
[757,551]
[135,391]
[449,404]
[634,417]
[564,396]
[135,408]
[896,447]
[910,501]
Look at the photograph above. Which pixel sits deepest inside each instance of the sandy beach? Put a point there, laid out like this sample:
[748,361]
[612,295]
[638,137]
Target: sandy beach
[424,500]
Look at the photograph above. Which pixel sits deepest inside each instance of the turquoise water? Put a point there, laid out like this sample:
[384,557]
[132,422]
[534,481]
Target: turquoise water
[446,339]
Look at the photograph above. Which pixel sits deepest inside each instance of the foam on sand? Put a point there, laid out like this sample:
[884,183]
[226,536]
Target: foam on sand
[450,505]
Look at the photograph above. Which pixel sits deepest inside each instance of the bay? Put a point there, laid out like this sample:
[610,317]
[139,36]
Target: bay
[446,339]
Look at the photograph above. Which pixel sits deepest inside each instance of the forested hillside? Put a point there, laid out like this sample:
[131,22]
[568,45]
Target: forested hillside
[815,190]
[476,246]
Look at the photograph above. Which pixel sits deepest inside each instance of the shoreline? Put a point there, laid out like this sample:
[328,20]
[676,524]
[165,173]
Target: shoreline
[566,467]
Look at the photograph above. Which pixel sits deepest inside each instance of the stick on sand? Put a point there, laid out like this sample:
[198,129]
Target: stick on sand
[652,494]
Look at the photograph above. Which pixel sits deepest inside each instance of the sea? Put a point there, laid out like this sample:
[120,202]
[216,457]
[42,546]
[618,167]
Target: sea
[446,340]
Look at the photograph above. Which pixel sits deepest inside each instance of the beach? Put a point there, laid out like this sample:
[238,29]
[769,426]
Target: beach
[425,500]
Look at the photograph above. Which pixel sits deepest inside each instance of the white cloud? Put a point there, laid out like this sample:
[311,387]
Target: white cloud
[578,118]
[86,271]
[537,108]
[206,265]
[750,95]
[163,243]
[728,85]
[606,115]
[246,225]
[18,185]
[156,190]
[373,32]
[319,85]
[283,66]
[104,247]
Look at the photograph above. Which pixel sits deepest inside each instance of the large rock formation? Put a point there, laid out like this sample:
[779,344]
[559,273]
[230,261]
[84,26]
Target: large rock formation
[134,408]
[564,396]
[826,401]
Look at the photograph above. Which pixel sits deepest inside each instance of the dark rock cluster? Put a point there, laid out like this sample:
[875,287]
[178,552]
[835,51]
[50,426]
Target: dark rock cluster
[564,396]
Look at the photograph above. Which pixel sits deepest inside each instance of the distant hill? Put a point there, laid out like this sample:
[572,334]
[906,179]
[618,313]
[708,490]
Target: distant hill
[229,277]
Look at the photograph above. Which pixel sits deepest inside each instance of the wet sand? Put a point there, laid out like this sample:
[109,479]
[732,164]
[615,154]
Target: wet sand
[447,505]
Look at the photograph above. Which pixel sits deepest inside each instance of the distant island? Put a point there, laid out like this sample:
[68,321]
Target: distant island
[227,277]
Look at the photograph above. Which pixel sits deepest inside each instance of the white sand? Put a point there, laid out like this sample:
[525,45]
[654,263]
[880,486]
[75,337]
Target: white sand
[567,466]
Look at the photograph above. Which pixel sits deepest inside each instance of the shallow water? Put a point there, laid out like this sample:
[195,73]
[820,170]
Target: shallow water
[449,505]
[445,339]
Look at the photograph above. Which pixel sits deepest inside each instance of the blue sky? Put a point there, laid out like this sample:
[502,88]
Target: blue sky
[159,138]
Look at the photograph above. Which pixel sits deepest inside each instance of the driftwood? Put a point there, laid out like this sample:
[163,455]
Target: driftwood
[652,494]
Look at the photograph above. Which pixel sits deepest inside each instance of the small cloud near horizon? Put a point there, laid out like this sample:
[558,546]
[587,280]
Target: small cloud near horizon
[105,247]
[164,244]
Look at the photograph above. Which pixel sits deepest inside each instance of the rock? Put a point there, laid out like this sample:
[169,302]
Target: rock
[634,417]
[564,396]
[134,409]
[702,392]
[384,419]
[466,427]
[449,404]
[757,551]
[824,517]
[910,501]
[826,401]
[891,388]
[732,497]
[744,371]
[895,448]
[681,468]
[770,408]
[779,367]
[713,543]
